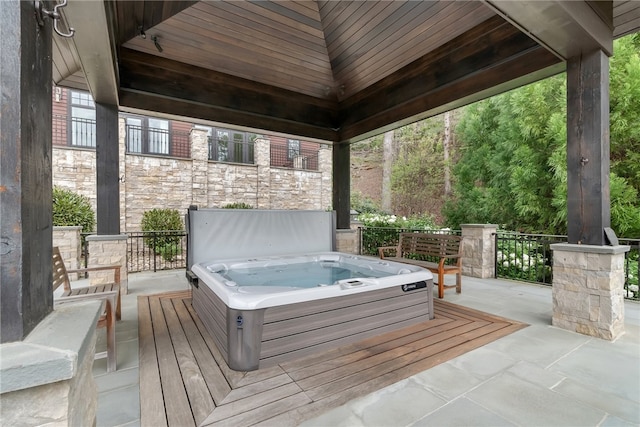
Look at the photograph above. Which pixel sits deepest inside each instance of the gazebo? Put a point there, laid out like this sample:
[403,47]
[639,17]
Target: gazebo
[330,71]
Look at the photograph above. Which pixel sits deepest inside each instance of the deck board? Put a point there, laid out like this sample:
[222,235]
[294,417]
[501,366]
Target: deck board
[184,379]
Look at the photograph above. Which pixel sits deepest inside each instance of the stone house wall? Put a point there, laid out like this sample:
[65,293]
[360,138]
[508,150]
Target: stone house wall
[148,181]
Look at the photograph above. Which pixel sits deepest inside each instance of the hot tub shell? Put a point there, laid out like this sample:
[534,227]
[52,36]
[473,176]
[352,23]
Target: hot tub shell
[260,329]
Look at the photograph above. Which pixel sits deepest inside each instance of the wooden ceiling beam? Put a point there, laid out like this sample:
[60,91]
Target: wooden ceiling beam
[491,58]
[529,67]
[93,24]
[146,14]
[216,96]
[566,28]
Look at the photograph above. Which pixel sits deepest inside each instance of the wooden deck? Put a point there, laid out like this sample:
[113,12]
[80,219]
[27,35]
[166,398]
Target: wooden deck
[184,379]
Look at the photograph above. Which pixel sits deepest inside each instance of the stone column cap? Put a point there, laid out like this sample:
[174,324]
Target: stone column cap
[67,227]
[106,237]
[51,352]
[592,249]
[479,225]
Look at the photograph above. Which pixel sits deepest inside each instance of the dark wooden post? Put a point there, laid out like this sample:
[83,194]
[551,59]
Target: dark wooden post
[342,184]
[26,295]
[588,203]
[107,170]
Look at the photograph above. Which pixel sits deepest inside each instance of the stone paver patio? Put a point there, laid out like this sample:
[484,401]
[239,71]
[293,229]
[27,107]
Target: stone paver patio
[540,375]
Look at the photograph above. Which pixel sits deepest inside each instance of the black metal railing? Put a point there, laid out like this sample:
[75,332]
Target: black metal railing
[528,257]
[150,250]
[143,140]
[305,159]
[525,257]
[371,238]
[156,250]
[59,129]
[83,133]
[632,268]
[77,132]
[231,151]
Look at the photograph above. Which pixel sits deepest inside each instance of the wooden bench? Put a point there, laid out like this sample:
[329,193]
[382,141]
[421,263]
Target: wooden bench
[436,246]
[108,293]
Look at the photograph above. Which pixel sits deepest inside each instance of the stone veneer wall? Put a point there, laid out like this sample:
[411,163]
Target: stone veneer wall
[108,250]
[587,291]
[347,241]
[74,169]
[149,182]
[67,239]
[478,250]
[47,379]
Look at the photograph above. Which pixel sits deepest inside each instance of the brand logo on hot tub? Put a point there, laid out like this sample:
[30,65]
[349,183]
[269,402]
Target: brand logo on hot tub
[239,321]
[408,287]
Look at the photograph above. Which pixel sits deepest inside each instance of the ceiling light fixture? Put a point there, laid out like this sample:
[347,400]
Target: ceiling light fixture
[155,42]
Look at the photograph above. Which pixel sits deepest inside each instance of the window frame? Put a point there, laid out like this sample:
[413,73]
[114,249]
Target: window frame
[145,137]
[87,105]
[293,148]
[247,144]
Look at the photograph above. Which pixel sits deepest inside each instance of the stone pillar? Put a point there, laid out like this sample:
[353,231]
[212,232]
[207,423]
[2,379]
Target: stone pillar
[67,239]
[108,250]
[325,165]
[200,166]
[262,150]
[47,378]
[347,241]
[479,250]
[588,286]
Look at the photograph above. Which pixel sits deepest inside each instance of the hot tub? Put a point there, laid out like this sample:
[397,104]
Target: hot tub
[266,310]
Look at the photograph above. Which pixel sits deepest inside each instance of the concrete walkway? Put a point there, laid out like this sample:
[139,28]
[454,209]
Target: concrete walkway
[539,376]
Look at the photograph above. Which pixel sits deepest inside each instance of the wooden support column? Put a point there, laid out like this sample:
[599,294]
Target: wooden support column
[25,170]
[588,202]
[107,170]
[342,184]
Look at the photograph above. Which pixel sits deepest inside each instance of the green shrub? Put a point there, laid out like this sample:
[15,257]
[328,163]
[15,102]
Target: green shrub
[72,209]
[164,223]
[363,204]
[237,205]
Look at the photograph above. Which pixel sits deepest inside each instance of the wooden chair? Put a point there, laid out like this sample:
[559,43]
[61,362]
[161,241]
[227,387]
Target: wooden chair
[109,294]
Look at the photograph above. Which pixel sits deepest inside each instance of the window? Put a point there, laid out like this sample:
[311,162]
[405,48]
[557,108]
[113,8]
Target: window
[293,148]
[83,120]
[148,135]
[226,145]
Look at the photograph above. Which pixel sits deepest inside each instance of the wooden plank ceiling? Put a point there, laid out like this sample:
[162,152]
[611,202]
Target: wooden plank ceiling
[324,69]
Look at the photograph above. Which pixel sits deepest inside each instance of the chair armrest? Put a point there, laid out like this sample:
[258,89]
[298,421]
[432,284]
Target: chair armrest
[107,296]
[115,268]
[382,249]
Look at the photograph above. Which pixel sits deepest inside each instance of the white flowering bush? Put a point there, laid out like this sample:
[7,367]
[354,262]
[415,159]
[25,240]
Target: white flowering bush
[522,258]
[632,272]
[384,230]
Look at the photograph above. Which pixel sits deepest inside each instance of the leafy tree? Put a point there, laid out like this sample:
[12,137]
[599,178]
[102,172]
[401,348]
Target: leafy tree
[418,178]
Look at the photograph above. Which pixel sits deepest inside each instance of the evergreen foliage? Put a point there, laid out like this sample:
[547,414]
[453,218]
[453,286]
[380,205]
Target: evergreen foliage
[513,170]
[72,209]
[237,205]
[161,225]
[363,204]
